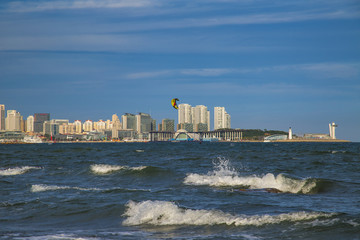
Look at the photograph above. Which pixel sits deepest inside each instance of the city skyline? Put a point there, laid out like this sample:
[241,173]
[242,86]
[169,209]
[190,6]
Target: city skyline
[273,65]
[34,123]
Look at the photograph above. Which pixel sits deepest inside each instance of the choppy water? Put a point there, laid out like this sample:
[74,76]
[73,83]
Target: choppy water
[180,191]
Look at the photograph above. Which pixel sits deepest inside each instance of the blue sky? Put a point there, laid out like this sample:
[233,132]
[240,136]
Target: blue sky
[271,64]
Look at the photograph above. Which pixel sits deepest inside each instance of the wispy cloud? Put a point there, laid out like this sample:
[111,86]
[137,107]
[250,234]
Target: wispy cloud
[34,6]
[321,70]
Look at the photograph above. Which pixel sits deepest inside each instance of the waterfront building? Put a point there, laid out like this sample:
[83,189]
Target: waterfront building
[144,123]
[30,124]
[22,124]
[221,118]
[88,126]
[52,127]
[108,124]
[186,126]
[167,125]
[2,117]
[13,121]
[128,121]
[67,128]
[78,126]
[116,126]
[100,126]
[201,118]
[184,113]
[39,119]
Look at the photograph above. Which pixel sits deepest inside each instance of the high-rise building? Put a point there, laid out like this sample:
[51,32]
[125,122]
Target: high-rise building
[2,117]
[88,126]
[144,123]
[116,126]
[221,118]
[78,126]
[184,113]
[52,127]
[167,125]
[39,119]
[30,123]
[108,124]
[201,118]
[13,121]
[128,121]
[99,125]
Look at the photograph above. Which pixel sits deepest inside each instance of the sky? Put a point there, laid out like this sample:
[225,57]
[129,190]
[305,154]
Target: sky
[271,64]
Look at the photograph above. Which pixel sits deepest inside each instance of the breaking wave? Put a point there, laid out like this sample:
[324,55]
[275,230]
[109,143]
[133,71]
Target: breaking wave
[168,213]
[44,187]
[16,170]
[106,169]
[224,176]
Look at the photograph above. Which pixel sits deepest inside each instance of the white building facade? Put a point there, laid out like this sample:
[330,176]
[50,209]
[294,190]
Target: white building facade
[201,118]
[221,118]
[13,121]
[30,123]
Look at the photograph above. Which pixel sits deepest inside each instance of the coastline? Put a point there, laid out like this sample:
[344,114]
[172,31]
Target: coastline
[245,141]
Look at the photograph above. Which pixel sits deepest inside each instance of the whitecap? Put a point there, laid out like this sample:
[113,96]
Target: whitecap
[43,187]
[16,170]
[168,213]
[224,175]
[106,169]
[57,237]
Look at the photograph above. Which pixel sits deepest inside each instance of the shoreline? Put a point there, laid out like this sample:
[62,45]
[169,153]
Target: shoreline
[242,141]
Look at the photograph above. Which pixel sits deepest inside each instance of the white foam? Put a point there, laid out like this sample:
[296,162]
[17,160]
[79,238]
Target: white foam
[167,213]
[16,170]
[43,187]
[58,236]
[224,175]
[106,169]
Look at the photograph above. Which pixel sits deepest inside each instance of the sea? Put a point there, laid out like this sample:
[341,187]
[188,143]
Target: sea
[187,190]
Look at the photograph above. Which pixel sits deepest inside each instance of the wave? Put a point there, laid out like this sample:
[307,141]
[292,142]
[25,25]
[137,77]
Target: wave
[225,176]
[16,170]
[106,169]
[44,187]
[168,213]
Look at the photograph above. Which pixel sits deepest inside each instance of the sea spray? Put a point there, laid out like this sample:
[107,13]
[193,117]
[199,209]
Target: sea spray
[224,175]
[168,213]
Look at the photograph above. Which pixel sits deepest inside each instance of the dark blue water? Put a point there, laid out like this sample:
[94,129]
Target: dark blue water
[180,191]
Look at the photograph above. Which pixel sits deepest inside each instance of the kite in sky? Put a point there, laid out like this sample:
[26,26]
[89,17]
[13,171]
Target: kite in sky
[174,104]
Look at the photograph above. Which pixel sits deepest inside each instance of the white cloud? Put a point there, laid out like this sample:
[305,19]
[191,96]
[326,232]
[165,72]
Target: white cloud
[29,6]
[320,70]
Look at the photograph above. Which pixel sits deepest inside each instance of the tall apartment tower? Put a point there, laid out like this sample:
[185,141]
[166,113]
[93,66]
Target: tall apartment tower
[201,118]
[30,123]
[221,118]
[39,119]
[2,117]
[13,121]
[78,126]
[116,126]
[184,113]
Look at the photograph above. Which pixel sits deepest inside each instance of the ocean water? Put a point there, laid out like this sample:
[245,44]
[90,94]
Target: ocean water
[180,191]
